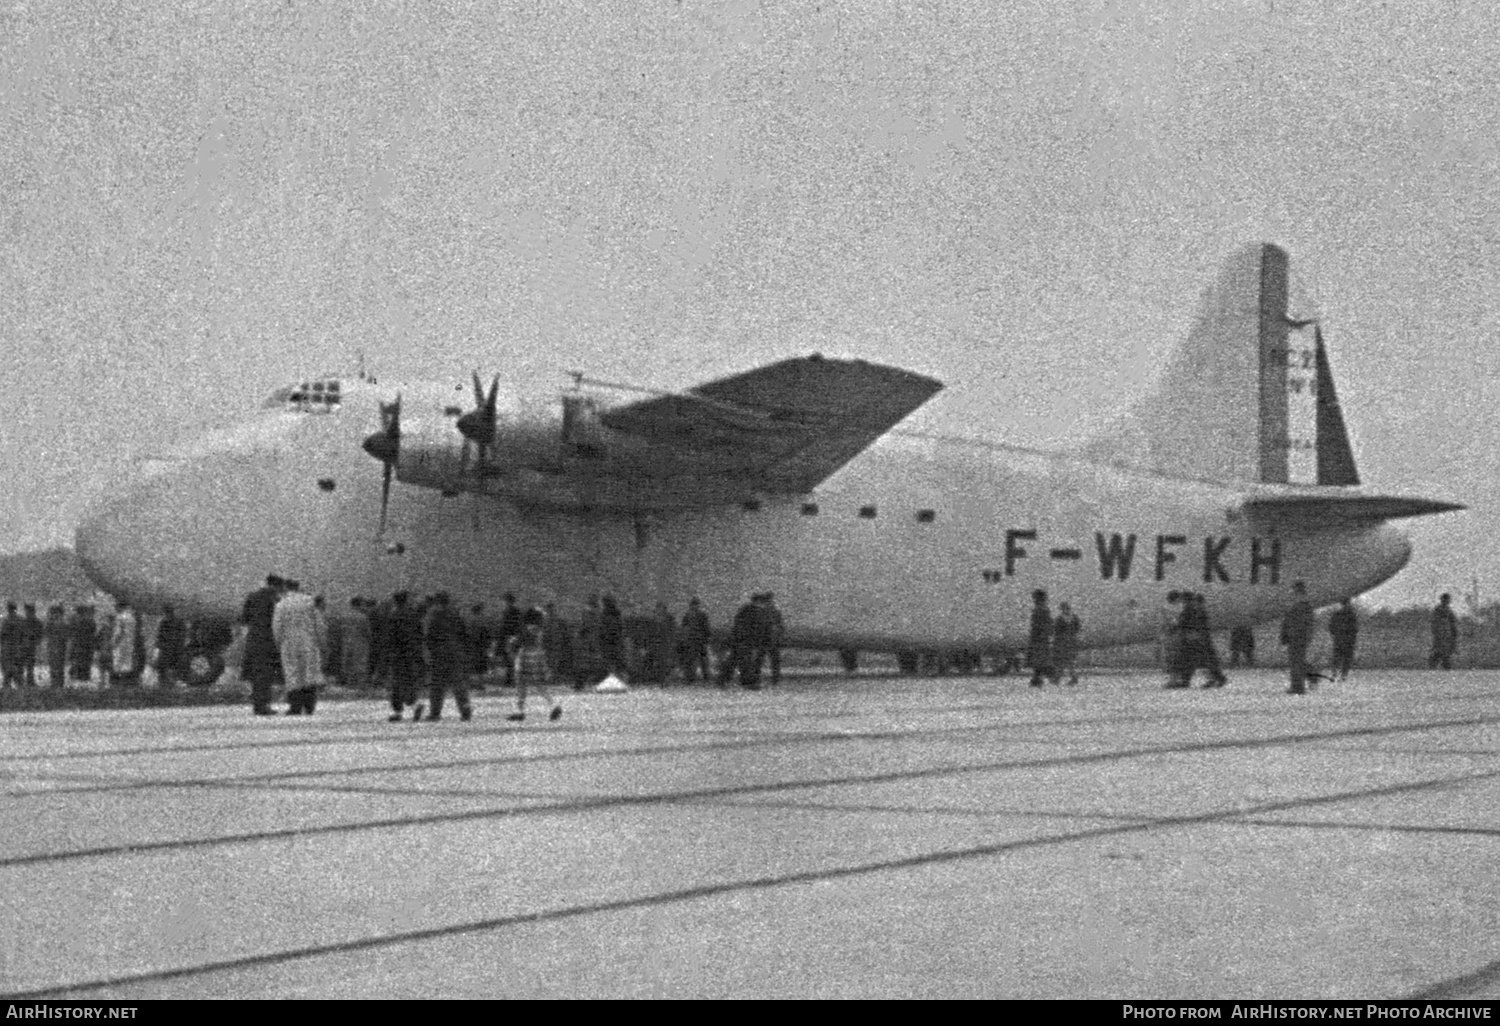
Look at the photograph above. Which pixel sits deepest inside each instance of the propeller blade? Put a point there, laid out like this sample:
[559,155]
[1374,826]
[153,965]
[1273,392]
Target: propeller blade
[489,402]
[385,497]
[385,446]
[478,391]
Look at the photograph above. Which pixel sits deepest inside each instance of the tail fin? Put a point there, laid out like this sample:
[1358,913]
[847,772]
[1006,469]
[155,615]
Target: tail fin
[1244,397]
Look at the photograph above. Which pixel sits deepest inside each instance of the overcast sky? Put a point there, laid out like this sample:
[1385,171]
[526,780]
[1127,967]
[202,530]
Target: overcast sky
[198,206]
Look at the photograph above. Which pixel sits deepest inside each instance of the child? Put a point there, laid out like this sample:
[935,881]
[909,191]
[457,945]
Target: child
[532,672]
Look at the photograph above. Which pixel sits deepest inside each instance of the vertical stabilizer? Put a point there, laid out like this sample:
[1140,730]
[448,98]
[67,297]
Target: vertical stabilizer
[1244,397]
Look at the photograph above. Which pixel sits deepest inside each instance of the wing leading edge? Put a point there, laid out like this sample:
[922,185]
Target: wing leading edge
[785,427]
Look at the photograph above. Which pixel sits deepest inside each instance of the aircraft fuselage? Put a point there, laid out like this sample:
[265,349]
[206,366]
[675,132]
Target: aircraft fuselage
[914,544]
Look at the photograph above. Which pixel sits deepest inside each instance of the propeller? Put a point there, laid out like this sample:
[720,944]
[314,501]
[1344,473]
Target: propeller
[478,425]
[385,446]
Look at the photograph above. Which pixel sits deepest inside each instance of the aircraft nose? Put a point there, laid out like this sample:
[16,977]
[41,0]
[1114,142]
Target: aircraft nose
[103,546]
[124,539]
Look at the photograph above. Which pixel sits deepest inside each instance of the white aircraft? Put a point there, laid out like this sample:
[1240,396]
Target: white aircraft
[1234,478]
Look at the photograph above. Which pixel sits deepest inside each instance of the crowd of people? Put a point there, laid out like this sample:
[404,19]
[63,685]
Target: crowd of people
[406,645]
[73,647]
[1186,642]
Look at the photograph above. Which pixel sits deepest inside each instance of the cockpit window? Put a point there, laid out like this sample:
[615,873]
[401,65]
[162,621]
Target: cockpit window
[314,396]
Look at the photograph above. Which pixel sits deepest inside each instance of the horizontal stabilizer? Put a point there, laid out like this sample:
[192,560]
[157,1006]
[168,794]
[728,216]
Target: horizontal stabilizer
[1336,510]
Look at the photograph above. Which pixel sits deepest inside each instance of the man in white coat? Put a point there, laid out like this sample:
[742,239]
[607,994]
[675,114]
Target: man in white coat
[124,646]
[294,625]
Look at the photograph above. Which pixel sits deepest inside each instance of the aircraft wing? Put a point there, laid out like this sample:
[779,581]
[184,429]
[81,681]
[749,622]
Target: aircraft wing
[784,427]
[1340,510]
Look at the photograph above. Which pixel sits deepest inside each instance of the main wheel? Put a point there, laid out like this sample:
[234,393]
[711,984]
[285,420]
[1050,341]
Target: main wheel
[204,668]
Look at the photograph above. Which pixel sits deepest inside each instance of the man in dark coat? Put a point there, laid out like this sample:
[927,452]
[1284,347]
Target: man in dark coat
[481,637]
[1198,636]
[612,636]
[171,645]
[261,664]
[55,633]
[1343,627]
[450,656]
[1444,634]
[81,634]
[1297,634]
[773,631]
[557,645]
[382,642]
[407,666]
[746,645]
[692,642]
[31,642]
[11,630]
[661,646]
[1039,639]
[1242,646]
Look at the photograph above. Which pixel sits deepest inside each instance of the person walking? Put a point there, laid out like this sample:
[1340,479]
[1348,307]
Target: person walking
[406,657]
[661,646]
[532,673]
[294,626]
[1242,646]
[355,652]
[692,642]
[1296,634]
[55,633]
[588,653]
[171,646]
[1198,637]
[612,636]
[745,648]
[1343,627]
[31,643]
[481,640]
[557,643]
[1039,640]
[1171,641]
[510,631]
[82,633]
[125,647]
[450,657]
[773,627]
[261,663]
[1065,631]
[10,645]
[1444,634]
